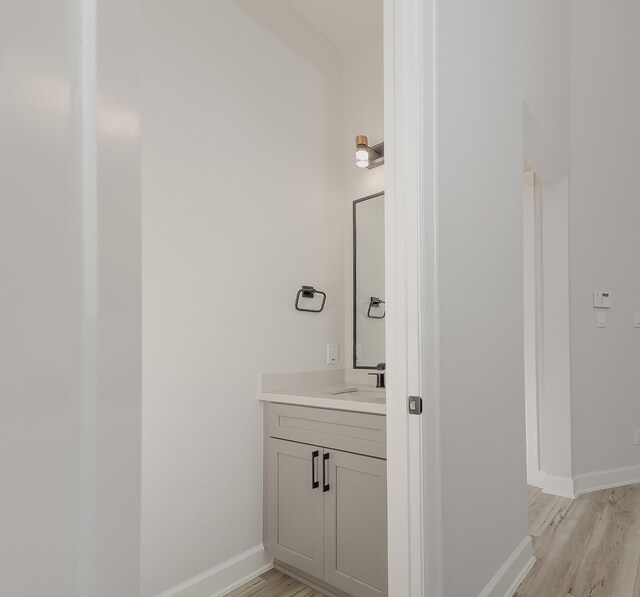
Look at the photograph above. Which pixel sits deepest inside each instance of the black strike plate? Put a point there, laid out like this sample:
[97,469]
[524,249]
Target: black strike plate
[415,405]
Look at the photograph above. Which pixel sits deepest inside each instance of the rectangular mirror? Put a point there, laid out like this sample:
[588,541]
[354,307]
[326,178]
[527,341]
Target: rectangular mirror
[369,308]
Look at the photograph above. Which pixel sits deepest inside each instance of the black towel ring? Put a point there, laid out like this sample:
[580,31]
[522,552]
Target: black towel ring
[310,292]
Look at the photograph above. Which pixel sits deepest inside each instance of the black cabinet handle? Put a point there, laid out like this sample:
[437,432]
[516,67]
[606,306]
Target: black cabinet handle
[325,473]
[314,470]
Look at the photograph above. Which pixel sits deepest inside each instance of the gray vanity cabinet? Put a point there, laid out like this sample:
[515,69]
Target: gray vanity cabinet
[326,508]
[355,525]
[295,507]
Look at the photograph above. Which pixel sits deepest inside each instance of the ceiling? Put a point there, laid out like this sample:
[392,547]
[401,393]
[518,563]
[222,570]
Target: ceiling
[344,22]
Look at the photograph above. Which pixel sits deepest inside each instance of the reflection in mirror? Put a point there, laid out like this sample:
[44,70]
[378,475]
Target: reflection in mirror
[369,307]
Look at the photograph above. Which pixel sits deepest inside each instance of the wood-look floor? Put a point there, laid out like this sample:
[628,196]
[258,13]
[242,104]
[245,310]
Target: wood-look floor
[589,547]
[274,584]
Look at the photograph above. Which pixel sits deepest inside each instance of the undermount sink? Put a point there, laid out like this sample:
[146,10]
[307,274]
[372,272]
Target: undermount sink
[359,393]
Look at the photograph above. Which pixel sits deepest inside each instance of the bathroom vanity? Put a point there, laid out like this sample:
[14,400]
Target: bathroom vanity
[325,467]
[325,489]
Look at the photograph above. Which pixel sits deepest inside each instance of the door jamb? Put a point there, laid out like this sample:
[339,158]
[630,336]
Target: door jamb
[412,344]
[531,202]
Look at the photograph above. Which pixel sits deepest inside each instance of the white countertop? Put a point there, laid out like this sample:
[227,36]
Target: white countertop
[364,400]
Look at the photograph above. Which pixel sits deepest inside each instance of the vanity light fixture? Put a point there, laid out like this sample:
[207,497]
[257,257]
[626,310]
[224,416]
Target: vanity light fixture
[368,157]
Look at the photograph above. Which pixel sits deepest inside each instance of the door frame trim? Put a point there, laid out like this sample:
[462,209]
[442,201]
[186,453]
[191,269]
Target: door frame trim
[533,220]
[412,335]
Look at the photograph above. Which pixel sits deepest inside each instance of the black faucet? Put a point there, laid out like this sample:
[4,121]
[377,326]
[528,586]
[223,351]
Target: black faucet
[380,376]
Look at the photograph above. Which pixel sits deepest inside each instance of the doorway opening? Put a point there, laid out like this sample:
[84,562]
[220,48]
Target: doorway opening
[547,333]
[249,177]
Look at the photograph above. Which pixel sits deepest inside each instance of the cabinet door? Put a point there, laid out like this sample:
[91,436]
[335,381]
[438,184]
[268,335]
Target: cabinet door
[294,510]
[355,524]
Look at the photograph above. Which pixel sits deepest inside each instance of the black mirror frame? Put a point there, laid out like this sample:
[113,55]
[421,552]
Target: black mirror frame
[355,260]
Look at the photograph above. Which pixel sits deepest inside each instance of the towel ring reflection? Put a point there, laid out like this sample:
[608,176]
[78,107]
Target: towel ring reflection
[375,303]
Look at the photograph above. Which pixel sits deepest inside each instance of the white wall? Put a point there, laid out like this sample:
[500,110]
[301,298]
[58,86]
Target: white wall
[489,62]
[605,244]
[113,310]
[362,111]
[70,304]
[40,301]
[480,159]
[241,206]
[546,35]
[362,114]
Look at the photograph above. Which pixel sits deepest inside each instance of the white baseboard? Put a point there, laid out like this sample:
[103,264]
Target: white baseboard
[535,479]
[606,479]
[224,578]
[560,486]
[512,572]
[301,578]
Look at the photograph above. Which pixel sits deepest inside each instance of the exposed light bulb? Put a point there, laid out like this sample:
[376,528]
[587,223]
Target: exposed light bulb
[362,155]
[366,156]
[362,151]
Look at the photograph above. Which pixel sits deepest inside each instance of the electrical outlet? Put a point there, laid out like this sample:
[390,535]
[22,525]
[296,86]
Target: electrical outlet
[333,354]
[636,435]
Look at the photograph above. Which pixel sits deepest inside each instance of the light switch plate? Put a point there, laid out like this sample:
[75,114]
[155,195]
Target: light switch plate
[602,319]
[636,320]
[636,437]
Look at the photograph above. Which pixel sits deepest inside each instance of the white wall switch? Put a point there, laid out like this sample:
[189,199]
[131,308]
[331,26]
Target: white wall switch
[333,354]
[602,300]
[636,436]
[602,319]
[636,320]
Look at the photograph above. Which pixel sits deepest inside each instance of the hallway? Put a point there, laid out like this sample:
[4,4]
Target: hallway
[588,547]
